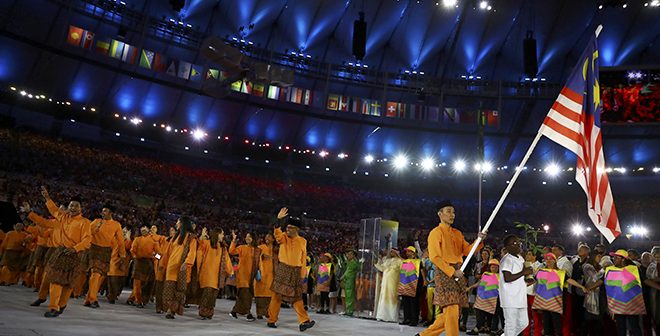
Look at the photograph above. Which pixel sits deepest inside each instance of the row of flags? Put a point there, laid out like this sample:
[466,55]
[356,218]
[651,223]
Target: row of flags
[412,111]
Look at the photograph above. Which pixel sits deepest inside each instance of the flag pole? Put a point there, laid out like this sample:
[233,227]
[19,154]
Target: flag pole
[519,169]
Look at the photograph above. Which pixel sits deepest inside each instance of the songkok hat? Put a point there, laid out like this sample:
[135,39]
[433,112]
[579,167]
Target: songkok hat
[442,204]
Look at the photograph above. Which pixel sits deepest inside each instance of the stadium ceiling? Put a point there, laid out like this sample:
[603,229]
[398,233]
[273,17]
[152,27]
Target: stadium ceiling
[444,42]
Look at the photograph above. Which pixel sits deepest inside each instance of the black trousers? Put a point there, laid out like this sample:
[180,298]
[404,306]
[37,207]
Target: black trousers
[628,323]
[551,323]
[410,309]
[325,301]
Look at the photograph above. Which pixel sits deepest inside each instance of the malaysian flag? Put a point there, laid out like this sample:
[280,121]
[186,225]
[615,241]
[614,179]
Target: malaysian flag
[574,122]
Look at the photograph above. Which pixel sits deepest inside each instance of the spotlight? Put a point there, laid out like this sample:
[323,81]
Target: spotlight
[427,164]
[136,121]
[323,153]
[369,158]
[639,231]
[12,88]
[168,128]
[577,229]
[198,134]
[552,170]
[342,155]
[23,93]
[546,228]
[459,165]
[483,5]
[449,3]
[400,161]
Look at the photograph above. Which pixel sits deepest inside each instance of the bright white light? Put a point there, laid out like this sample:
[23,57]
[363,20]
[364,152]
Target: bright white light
[136,121]
[12,88]
[23,93]
[369,158]
[485,167]
[142,139]
[459,165]
[428,164]
[577,229]
[400,161]
[30,95]
[198,134]
[546,227]
[73,120]
[247,158]
[117,134]
[608,170]
[639,231]
[306,167]
[327,169]
[323,153]
[483,5]
[342,155]
[449,3]
[656,169]
[655,3]
[168,128]
[552,169]
[625,5]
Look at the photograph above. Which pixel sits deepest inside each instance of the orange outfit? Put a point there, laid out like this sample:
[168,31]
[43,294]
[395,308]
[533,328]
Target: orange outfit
[262,288]
[15,243]
[105,233]
[174,258]
[70,232]
[447,246]
[245,263]
[144,247]
[208,264]
[293,252]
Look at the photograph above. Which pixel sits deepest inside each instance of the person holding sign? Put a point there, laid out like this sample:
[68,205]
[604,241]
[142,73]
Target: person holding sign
[624,294]
[487,304]
[549,291]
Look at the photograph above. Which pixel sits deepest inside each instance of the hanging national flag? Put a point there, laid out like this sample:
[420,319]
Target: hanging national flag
[333,102]
[493,118]
[450,115]
[196,73]
[130,54]
[295,95]
[116,49]
[574,123]
[184,70]
[237,85]
[258,90]
[354,105]
[273,92]
[75,36]
[366,106]
[212,74]
[390,110]
[160,63]
[247,87]
[102,47]
[375,108]
[308,97]
[171,69]
[401,110]
[434,113]
[146,58]
[343,103]
[87,40]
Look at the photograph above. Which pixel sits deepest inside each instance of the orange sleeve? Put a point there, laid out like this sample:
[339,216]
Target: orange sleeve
[53,209]
[36,219]
[192,253]
[134,247]
[119,240]
[228,266]
[280,236]
[232,248]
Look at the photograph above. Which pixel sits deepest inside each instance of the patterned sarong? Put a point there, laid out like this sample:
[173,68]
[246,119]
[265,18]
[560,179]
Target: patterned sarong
[40,256]
[207,301]
[143,269]
[287,283]
[99,259]
[448,291]
[13,259]
[64,265]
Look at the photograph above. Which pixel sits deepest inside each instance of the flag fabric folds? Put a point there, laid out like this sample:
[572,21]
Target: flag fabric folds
[574,123]
[488,292]
[623,287]
[549,287]
[146,58]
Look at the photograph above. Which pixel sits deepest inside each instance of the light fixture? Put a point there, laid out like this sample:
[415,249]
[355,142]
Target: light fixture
[168,128]
[428,164]
[323,153]
[198,134]
[639,231]
[459,165]
[552,169]
[577,229]
[483,5]
[449,3]
[546,228]
[342,155]
[136,121]
[369,158]
[400,161]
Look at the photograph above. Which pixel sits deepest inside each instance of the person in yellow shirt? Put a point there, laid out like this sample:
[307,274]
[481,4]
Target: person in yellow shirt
[44,287]
[106,232]
[262,291]
[161,266]
[29,254]
[249,256]
[181,257]
[214,266]
[119,266]
[288,280]
[143,250]
[73,234]
[11,250]
[446,250]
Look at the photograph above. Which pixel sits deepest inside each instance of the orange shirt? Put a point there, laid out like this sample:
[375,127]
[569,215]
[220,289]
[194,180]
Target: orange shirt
[14,240]
[143,247]
[42,238]
[447,246]
[106,233]
[161,265]
[245,263]
[208,264]
[174,258]
[117,268]
[293,251]
[68,231]
[262,288]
